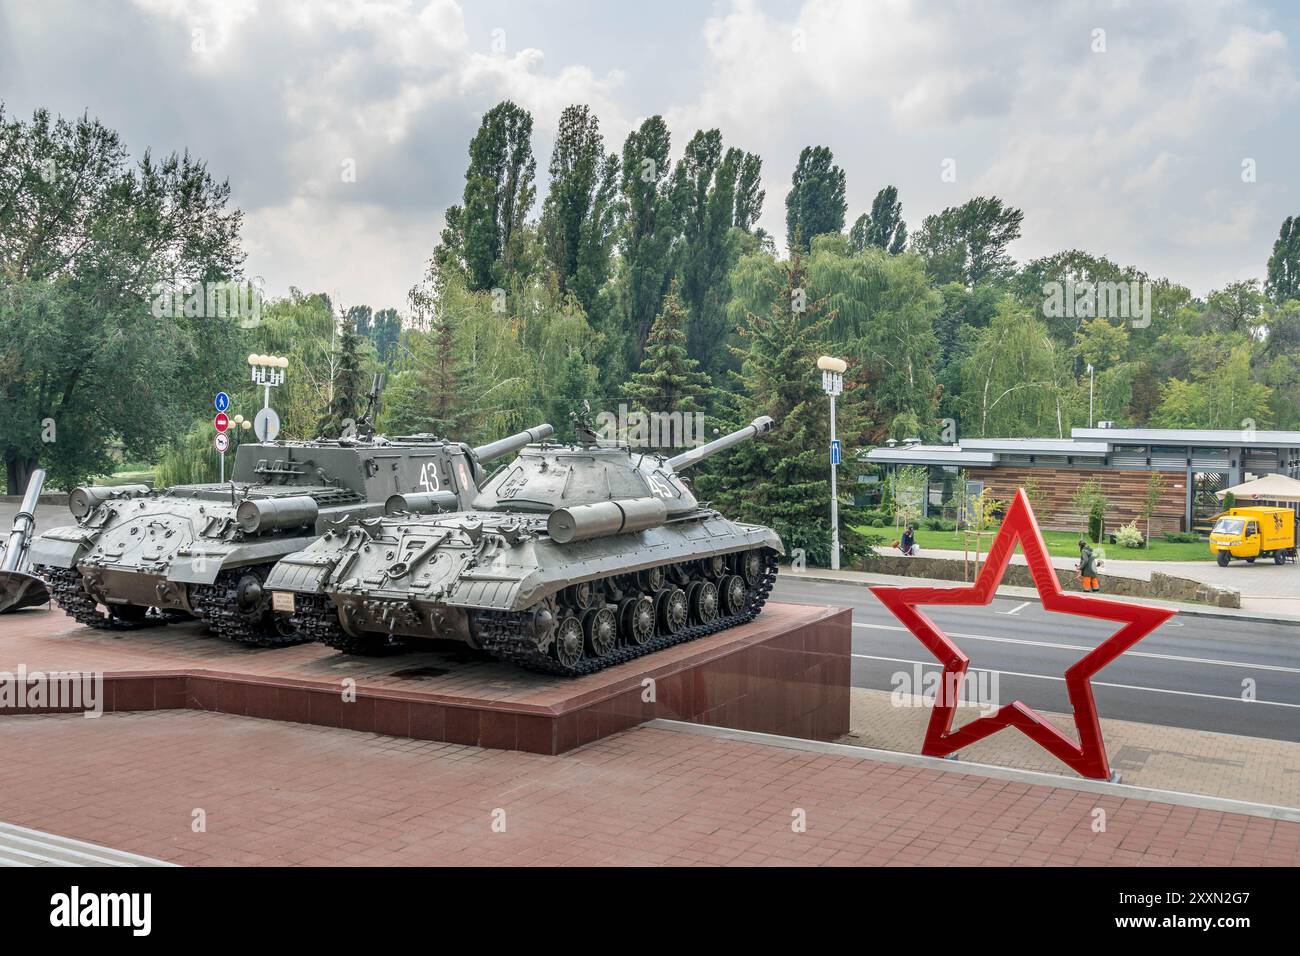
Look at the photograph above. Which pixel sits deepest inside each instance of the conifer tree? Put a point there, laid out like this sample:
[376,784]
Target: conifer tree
[782,479]
[669,381]
[346,391]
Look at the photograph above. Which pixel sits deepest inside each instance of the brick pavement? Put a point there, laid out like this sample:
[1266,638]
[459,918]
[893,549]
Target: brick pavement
[278,793]
[1254,769]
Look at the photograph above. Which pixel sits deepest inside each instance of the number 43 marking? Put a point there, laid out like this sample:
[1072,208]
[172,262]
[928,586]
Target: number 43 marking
[429,476]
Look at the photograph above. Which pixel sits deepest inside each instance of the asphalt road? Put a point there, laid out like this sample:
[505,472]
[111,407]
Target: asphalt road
[1191,672]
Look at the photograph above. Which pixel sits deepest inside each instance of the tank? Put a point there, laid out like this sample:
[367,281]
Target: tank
[137,557]
[570,559]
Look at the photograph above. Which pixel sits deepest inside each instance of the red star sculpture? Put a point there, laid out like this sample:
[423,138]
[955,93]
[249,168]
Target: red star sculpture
[1088,758]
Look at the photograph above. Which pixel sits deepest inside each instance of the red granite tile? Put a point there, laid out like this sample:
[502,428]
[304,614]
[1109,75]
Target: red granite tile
[358,714]
[393,717]
[232,697]
[535,734]
[325,708]
[497,730]
[261,700]
[462,725]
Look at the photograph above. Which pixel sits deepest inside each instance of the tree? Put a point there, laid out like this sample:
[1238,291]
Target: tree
[1090,505]
[781,479]
[815,203]
[749,197]
[347,386]
[581,209]
[669,380]
[968,243]
[1155,490]
[649,228]
[883,227]
[1015,382]
[704,184]
[1237,307]
[89,247]
[499,193]
[1283,280]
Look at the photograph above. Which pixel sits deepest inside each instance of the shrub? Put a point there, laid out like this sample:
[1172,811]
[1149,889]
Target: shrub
[877,522]
[1182,537]
[1128,535]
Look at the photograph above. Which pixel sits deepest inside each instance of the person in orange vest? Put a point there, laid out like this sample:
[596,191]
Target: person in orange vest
[1088,567]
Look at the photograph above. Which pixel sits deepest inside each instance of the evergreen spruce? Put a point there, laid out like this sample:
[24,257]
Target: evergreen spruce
[782,479]
[669,381]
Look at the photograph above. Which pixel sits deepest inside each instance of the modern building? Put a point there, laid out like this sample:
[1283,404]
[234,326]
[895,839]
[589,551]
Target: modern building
[1193,464]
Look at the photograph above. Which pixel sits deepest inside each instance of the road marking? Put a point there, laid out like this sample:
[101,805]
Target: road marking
[1095,683]
[1017,609]
[1076,647]
[22,846]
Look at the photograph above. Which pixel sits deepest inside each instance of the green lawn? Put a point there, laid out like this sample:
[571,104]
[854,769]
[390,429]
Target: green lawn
[125,478]
[1062,544]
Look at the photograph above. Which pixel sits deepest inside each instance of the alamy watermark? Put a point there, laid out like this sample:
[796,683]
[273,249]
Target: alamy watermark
[652,429]
[56,690]
[1130,301]
[227,299]
[919,688]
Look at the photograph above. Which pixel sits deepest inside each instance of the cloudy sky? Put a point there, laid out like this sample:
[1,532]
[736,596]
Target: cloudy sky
[1128,142]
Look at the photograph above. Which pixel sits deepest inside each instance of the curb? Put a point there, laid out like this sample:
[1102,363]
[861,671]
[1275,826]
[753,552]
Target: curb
[1029,594]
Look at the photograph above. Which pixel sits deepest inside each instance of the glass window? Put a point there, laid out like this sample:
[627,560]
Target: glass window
[1229,526]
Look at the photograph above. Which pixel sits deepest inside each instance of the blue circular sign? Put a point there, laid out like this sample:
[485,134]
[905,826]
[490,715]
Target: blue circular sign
[222,401]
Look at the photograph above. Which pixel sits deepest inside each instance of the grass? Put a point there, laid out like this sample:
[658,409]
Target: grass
[125,478]
[1061,544]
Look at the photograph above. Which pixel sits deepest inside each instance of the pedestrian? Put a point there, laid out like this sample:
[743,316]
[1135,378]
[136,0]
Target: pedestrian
[1088,567]
[908,544]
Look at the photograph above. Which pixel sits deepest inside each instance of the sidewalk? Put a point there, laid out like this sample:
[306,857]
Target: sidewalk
[1273,610]
[1253,769]
[284,794]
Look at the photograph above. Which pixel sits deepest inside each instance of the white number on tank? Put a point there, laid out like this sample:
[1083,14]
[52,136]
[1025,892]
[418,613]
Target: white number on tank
[660,486]
[429,476]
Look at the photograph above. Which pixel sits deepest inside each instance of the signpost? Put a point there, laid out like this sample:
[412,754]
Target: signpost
[221,423]
[222,401]
[832,370]
[222,444]
[835,451]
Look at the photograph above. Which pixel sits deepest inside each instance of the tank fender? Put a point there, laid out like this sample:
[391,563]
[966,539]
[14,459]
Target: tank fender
[61,547]
[302,572]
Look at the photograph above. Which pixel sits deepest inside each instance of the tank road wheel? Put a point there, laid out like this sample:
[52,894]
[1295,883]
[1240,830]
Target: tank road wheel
[569,641]
[69,593]
[750,566]
[652,580]
[1223,559]
[600,628]
[704,601]
[238,608]
[673,610]
[581,596]
[638,619]
[732,593]
[713,567]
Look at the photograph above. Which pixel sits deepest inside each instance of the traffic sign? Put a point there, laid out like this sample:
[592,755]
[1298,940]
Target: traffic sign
[222,401]
[835,452]
[267,424]
[222,442]
[221,422]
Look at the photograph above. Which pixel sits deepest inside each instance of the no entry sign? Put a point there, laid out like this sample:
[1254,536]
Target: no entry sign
[221,422]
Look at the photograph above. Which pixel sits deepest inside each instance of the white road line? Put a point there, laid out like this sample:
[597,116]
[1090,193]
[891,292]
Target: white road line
[26,843]
[1078,647]
[1095,683]
[1017,609]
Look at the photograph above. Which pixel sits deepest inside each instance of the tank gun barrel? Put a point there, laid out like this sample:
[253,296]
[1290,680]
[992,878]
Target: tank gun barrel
[512,443]
[696,455]
[18,587]
[24,524]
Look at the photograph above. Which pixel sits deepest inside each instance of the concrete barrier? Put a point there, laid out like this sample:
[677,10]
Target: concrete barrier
[1165,587]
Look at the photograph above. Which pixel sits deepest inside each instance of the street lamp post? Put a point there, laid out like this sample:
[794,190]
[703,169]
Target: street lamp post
[1090,382]
[833,384]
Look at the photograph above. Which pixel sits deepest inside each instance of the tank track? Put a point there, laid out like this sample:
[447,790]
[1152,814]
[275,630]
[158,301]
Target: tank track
[71,596]
[505,634]
[317,619]
[218,605]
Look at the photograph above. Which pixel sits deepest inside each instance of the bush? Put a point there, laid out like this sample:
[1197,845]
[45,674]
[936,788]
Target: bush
[1181,537]
[877,522]
[1094,527]
[940,524]
[1128,536]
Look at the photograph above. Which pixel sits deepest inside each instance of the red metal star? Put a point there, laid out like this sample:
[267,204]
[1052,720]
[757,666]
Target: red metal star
[1088,758]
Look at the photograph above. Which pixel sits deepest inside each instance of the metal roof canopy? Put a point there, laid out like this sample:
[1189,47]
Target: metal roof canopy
[1189,436]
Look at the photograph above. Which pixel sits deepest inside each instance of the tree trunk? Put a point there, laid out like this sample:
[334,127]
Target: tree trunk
[18,471]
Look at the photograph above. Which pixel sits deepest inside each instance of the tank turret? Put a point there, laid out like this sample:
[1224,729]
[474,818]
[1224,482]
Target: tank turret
[569,559]
[138,557]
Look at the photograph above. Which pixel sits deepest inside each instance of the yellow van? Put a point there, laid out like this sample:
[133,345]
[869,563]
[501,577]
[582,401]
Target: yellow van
[1251,533]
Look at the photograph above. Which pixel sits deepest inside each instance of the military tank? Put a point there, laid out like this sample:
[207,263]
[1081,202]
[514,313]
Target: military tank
[571,558]
[137,557]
